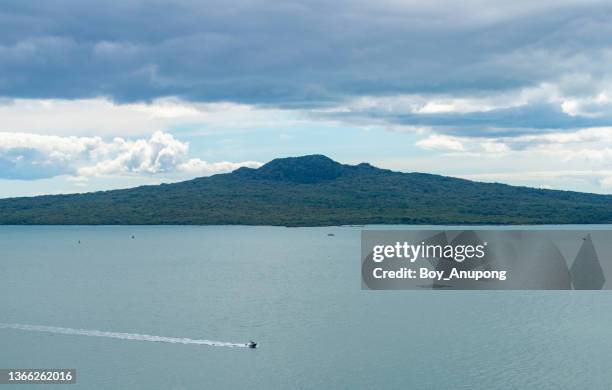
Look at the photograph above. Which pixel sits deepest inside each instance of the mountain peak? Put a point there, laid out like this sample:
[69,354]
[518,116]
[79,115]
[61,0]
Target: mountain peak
[312,160]
[304,169]
[309,169]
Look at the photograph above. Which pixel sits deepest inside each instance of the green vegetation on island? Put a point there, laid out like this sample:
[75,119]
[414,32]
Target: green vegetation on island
[313,191]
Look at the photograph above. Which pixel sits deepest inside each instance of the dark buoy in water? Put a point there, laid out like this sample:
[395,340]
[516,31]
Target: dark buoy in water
[132,236]
[79,241]
[252,344]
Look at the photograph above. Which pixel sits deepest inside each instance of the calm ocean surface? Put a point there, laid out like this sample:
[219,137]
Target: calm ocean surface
[294,290]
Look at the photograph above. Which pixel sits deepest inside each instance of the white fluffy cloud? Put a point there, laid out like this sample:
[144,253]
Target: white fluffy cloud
[589,143]
[34,156]
[442,142]
[565,158]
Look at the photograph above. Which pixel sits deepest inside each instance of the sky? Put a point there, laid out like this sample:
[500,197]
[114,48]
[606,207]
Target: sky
[113,94]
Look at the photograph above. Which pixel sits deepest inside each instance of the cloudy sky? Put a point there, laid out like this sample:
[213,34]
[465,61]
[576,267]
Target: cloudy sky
[112,94]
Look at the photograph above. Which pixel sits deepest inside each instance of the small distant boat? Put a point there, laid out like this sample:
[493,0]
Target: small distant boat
[252,344]
[331,234]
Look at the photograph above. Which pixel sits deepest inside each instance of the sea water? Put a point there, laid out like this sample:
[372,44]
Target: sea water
[166,308]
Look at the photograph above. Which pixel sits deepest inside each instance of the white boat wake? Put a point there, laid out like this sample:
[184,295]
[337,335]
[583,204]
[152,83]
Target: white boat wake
[119,335]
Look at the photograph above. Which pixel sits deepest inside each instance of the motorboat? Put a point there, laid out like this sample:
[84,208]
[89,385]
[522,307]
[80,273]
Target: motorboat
[252,344]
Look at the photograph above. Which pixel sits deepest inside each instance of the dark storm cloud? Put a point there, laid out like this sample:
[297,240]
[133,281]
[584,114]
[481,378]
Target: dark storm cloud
[305,54]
